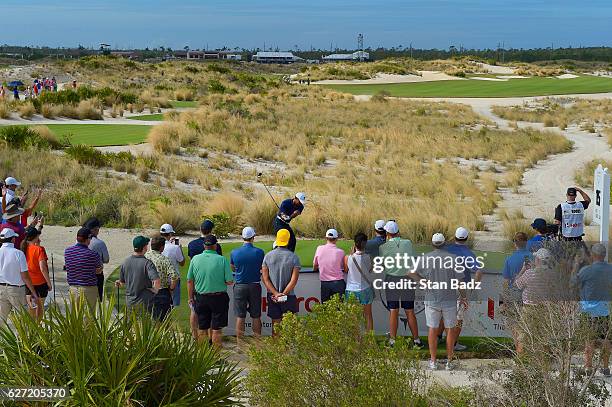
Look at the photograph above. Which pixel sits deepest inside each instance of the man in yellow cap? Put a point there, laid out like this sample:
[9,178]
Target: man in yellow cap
[280,271]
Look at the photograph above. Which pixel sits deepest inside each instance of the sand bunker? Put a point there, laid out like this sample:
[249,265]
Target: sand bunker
[480,78]
[567,76]
[381,78]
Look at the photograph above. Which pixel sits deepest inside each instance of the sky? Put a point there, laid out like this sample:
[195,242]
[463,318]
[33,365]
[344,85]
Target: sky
[318,23]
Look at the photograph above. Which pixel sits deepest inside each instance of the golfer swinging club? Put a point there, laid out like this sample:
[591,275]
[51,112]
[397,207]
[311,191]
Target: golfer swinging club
[289,209]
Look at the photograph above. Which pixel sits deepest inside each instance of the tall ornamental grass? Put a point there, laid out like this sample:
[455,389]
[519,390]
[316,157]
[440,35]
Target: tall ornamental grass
[112,360]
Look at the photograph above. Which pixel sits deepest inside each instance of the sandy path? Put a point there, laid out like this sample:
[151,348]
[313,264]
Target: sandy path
[41,120]
[544,185]
[385,78]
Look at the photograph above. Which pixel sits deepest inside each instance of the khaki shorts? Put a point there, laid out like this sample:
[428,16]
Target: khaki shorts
[433,315]
[11,298]
[89,293]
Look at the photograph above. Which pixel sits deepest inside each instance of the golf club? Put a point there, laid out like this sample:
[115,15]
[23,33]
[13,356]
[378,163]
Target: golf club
[259,178]
[53,276]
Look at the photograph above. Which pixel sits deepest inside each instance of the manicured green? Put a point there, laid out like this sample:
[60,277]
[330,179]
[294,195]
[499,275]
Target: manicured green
[157,117]
[478,88]
[184,103]
[101,134]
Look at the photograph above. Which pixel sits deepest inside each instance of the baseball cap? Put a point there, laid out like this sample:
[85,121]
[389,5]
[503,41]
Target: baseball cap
[248,233]
[461,233]
[206,225]
[140,242]
[391,227]
[11,181]
[84,233]
[438,239]
[539,223]
[543,254]
[7,233]
[31,232]
[282,238]
[379,225]
[166,228]
[210,240]
[331,233]
[572,191]
[92,223]
[301,197]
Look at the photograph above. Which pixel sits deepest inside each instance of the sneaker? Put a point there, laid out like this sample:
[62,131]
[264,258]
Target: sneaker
[432,365]
[459,347]
[418,343]
[606,372]
[448,366]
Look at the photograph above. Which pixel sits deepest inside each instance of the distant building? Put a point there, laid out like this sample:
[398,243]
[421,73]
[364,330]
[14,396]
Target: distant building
[269,57]
[199,55]
[355,56]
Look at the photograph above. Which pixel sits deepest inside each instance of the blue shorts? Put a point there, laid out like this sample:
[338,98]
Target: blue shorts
[176,294]
[364,297]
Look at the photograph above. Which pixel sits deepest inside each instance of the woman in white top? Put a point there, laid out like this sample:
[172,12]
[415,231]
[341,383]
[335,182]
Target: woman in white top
[359,277]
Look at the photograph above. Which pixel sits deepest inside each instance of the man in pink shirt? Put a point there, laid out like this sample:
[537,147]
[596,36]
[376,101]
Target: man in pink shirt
[329,262]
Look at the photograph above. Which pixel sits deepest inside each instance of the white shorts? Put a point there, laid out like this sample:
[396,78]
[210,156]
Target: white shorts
[434,314]
[461,311]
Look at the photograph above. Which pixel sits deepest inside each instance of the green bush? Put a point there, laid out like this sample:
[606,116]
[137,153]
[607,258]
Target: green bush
[223,224]
[326,359]
[88,155]
[114,361]
[218,68]
[20,137]
[214,86]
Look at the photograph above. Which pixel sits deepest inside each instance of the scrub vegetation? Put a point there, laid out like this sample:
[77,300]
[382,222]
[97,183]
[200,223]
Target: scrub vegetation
[591,115]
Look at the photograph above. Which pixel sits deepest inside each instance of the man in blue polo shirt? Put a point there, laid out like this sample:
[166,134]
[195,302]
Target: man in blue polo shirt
[288,210]
[513,265]
[246,263]
[595,285]
[535,243]
[374,244]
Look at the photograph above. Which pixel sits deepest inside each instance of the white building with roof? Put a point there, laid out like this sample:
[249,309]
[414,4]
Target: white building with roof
[275,57]
[355,56]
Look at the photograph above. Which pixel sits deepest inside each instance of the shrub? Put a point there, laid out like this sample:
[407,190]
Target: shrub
[230,204]
[88,110]
[214,86]
[24,137]
[114,360]
[260,214]
[88,155]
[26,111]
[168,137]
[184,94]
[326,359]
[50,111]
[47,135]
[5,111]
[223,224]
[181,217]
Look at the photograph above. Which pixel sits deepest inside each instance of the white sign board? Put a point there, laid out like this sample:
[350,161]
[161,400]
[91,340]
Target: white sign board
[601,207]
[483,319]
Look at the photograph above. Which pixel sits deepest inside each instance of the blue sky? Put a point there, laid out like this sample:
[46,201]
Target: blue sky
[318,23]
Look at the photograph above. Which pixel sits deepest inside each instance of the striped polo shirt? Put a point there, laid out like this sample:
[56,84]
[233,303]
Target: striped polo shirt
[81,264]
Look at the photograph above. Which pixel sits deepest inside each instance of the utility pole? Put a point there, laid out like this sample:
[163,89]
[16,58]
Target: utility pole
[360,46]
[410,50]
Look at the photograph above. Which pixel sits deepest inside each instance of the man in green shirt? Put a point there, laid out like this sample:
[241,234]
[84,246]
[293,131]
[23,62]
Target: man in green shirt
[396,271]
[207,280]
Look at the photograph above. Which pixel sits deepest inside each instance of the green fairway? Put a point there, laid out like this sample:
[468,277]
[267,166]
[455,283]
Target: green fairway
[101,134]
[184,103]
[479,88]
[158,117]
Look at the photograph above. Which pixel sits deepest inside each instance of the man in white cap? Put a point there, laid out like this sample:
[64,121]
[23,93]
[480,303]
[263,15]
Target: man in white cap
[246,263]
[14,276]
[440,298]
[329,262]
[378,240]
[394,248]
[174,251]
[289,209]
[460,249]
[11,185]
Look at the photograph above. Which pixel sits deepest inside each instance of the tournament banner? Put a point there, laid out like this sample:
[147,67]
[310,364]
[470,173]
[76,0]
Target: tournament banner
[483,318]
